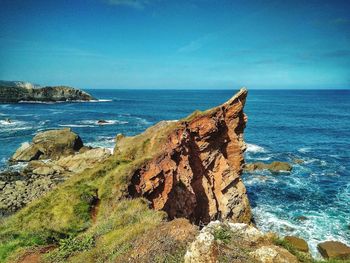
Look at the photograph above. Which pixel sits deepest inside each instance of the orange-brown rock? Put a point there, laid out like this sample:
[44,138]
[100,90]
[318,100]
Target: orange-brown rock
[192,167]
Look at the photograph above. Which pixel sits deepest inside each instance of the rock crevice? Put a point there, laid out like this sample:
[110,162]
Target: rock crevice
[196,173]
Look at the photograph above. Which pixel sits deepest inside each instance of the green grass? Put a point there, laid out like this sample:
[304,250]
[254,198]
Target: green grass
[63,216]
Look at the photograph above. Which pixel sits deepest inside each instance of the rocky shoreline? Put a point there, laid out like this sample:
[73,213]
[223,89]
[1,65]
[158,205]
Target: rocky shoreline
[175,189]
[50,159]
[18,91]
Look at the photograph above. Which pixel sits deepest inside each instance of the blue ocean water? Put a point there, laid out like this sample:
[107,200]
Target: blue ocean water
[313,126]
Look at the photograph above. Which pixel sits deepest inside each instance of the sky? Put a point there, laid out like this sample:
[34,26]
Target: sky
[163,44]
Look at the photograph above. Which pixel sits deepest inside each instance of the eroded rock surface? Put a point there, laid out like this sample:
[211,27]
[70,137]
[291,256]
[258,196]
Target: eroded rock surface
[196,171]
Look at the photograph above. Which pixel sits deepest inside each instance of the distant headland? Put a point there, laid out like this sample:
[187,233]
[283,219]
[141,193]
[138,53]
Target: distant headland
[20,91]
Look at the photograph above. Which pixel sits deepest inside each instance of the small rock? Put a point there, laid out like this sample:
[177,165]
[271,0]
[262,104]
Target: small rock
[102,122]
[334,250]
[298,243]
[301,218]
[298,161]
[44,170]
[273,167]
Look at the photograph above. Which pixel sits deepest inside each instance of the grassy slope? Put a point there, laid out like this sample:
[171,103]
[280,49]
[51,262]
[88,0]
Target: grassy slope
[63,217]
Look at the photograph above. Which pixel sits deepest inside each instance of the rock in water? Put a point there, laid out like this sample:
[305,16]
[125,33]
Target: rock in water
[49,145]
[334,250]
[299,243]
[12,92]
[194,165]
[273,167]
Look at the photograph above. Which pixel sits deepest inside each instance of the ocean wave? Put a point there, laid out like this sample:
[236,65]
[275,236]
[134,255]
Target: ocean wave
[253,148]
[143,121]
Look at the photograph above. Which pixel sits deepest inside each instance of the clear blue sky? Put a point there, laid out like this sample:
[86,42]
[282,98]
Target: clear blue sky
[176,44]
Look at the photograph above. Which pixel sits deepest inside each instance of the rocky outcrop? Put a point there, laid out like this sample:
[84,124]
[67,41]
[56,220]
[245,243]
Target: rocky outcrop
[235,242]
[12,92]
[51,144]
[273,167]
[334,250]
[41,175]
[193,166]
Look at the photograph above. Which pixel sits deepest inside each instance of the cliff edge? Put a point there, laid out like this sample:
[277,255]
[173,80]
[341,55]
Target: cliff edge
[194,164]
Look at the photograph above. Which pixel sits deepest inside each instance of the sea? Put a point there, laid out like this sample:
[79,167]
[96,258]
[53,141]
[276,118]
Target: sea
[308,128]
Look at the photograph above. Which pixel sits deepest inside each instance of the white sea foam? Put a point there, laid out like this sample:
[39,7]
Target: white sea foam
[253,148]
[101,100]
[143,121]
[304,150]
[317,228]
[77,125]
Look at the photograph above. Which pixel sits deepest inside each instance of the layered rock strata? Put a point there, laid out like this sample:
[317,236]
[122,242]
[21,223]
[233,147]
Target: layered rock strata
[196,171]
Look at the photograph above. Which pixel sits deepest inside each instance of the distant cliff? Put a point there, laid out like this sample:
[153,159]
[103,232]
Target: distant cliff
[16,91]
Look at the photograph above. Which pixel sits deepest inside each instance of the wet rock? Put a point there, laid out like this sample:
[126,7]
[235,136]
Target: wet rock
[299,243]
[334,250]
[101,122]
[301,218]
[273,167]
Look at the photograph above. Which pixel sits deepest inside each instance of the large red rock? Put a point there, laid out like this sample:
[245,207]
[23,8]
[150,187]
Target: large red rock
[192,167]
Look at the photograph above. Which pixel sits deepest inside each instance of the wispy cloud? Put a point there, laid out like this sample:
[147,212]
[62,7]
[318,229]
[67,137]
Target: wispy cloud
[196,44]
[138,4]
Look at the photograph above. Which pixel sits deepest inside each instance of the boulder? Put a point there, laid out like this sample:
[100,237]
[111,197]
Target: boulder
[276,166]
[273,254]
[334,250]
[27,152]
[81,161]
[298,243]
[49,145]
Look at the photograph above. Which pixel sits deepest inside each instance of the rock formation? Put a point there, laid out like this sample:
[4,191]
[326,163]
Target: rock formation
[51,158]
[51,144]
[12,92]
[235,242]
[194,165]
